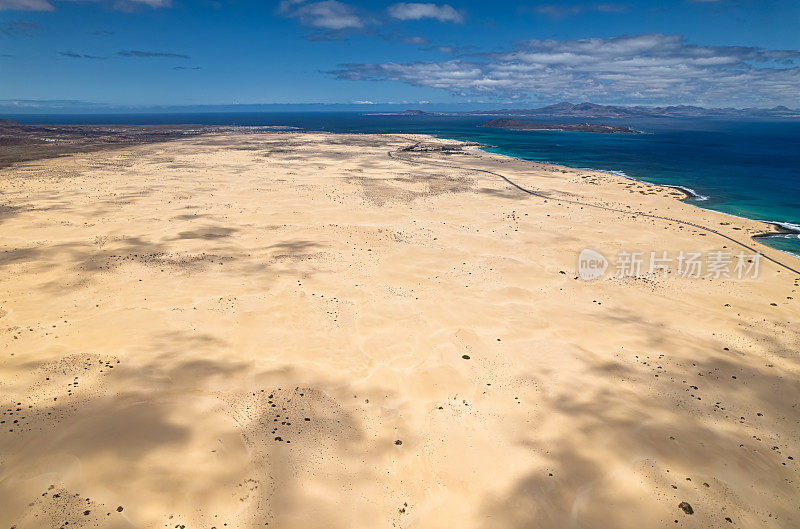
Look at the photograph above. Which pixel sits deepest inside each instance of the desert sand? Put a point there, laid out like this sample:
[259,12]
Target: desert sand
[300,331]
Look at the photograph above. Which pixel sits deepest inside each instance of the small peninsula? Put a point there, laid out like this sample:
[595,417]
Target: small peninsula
[515,124]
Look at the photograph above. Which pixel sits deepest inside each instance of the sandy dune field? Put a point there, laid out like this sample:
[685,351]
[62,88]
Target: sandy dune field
[300,331]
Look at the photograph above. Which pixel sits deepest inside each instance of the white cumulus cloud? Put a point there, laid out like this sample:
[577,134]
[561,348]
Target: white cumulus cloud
[413,11]
[328,14]
[44,5]
[561,10]
[25,5]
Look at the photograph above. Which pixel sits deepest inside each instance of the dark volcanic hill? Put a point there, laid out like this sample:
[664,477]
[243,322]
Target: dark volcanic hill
[592,110]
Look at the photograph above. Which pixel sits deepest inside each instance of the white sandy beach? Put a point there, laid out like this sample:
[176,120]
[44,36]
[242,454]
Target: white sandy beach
[299,331]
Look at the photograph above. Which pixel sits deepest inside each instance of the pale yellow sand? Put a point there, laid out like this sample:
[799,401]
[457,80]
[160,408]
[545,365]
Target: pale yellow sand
[164,308]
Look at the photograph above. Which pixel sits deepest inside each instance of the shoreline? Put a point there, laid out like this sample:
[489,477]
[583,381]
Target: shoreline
[168,132]
[779,228]
[145,134]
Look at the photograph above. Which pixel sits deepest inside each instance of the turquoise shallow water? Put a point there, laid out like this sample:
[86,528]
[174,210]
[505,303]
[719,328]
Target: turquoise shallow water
[750,169]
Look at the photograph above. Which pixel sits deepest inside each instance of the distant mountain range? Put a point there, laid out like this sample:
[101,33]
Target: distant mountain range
[592,110]
[10,108]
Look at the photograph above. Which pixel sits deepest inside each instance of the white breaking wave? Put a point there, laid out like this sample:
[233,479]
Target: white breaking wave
[694,195]
[794,228]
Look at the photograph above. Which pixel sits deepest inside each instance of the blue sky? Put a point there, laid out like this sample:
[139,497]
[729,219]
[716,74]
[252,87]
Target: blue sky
[182,52]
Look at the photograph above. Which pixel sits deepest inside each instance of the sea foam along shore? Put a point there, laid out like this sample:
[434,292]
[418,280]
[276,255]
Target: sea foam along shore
[784,230]
[793,230]
[690,193]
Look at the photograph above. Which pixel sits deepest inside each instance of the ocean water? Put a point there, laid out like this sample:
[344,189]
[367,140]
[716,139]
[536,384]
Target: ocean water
[745,168]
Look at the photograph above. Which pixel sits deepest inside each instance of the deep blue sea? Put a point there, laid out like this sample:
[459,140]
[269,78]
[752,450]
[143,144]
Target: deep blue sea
[745,168]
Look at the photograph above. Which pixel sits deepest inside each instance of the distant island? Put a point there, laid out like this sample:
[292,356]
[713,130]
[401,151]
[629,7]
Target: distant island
[414,113]
[592,110]
[410,112]
[515,124]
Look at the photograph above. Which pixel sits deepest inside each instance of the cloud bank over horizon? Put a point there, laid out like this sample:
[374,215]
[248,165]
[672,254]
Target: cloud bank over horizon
[649,68]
